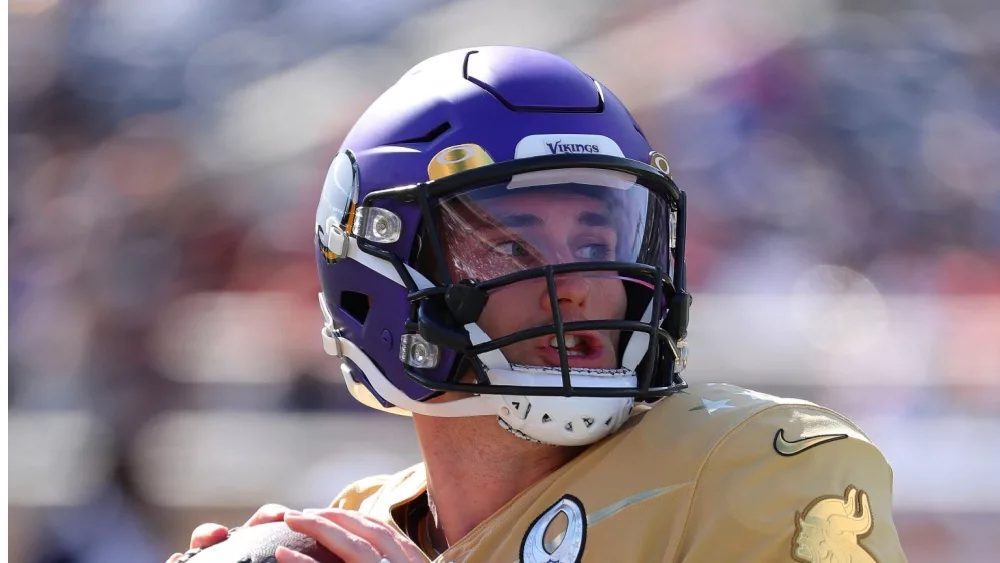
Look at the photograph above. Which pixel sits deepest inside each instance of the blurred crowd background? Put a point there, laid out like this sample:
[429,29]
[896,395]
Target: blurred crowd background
[165,366]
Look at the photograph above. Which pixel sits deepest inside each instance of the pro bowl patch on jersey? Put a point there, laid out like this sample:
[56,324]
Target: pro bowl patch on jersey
[540,145]
[563,546]
[830,529]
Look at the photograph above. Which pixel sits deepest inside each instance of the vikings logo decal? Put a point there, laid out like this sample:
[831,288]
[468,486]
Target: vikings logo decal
[328,255]
[456,159]
[337,206]
[830,528]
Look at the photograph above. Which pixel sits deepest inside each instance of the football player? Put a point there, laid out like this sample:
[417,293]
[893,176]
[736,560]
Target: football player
[501,255]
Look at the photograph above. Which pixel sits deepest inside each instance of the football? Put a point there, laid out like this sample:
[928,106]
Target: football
[257,544]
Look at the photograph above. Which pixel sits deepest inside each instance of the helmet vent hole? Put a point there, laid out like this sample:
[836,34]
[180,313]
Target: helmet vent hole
[429,136]
[355,304]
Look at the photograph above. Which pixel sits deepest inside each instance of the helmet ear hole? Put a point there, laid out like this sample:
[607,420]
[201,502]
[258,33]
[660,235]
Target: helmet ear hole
[355,304]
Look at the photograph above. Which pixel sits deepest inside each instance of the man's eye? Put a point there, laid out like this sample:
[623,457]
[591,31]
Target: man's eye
[594,252]
[510,248]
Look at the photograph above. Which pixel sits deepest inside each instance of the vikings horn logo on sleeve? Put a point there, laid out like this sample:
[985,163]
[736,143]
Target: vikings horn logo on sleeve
[831,527]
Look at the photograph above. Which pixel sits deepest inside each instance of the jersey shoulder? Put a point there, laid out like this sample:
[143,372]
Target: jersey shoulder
[378,494]
[779,478]
[680,434]
[711,421]
[705,414]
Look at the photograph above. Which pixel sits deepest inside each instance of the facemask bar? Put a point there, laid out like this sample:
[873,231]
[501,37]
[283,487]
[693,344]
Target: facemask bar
[464,292]
[560,328]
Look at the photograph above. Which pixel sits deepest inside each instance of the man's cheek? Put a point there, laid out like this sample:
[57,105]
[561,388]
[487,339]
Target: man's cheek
[610,301]
[491,320]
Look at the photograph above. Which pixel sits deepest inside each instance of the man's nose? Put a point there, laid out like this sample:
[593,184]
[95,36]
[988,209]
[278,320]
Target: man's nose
[571,290]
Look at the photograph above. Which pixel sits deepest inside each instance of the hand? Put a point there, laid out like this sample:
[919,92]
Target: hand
[210,534]
[350,535]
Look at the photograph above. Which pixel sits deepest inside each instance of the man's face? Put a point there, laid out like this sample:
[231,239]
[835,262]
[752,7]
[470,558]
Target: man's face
[501,235]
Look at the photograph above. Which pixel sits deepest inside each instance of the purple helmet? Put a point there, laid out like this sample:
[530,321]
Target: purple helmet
[496,224]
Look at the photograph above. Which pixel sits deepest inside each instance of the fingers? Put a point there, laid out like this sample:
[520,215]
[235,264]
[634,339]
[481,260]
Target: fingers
[348,534]
[344,544]
[389,542]
[208,534]
[386,541]
[268,513]
[285,555]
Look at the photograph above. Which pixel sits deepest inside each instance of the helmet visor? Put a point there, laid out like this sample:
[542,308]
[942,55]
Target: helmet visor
[553,217]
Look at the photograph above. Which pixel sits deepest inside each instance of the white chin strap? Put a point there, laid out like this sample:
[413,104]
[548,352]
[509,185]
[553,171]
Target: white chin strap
[562,421]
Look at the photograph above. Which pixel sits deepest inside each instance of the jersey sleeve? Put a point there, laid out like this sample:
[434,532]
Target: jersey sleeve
[793,483]
[354,496]
[377,495]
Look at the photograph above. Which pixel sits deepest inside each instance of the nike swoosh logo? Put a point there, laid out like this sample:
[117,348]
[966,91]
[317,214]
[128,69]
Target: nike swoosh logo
[789,448]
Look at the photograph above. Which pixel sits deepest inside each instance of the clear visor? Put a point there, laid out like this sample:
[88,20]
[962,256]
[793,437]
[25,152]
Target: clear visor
[552,217]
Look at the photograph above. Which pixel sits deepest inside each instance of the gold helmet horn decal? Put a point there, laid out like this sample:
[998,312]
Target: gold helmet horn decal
[456,159]
[658,161]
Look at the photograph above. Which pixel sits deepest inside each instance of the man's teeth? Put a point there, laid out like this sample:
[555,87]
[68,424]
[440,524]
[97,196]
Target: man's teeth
[571,342]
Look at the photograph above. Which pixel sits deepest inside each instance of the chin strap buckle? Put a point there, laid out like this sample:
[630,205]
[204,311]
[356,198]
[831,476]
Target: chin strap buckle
[681,361]
[331,343]
[331,340]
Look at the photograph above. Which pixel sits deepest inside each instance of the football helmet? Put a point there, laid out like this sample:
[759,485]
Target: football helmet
[496,237]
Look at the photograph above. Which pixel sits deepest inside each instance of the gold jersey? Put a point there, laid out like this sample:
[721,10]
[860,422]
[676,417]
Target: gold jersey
[715,473]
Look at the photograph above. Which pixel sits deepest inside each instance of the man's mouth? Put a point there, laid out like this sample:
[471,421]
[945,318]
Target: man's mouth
[575,345]
[584,349]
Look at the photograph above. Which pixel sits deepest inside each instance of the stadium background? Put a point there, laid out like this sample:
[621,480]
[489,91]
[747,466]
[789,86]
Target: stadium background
[165,368]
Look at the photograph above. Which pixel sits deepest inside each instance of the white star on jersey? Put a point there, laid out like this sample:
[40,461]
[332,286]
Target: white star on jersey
[712,406]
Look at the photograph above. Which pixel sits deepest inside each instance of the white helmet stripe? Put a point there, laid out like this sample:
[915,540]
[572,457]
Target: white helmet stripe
[471,406]
[493,359]
[638,345]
